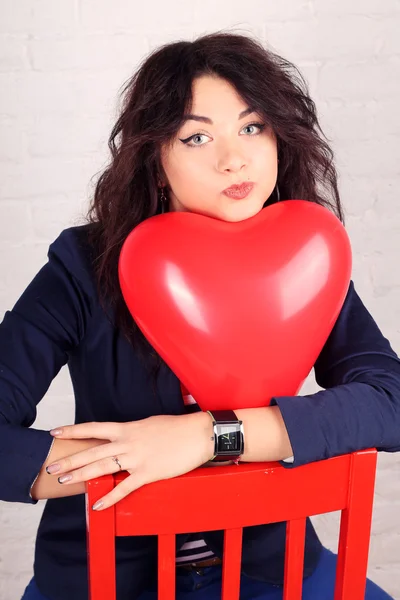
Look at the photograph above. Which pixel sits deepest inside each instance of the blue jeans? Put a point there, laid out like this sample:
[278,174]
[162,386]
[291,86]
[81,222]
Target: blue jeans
[207,586]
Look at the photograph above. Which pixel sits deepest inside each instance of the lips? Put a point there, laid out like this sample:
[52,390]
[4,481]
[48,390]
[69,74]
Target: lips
[239,191]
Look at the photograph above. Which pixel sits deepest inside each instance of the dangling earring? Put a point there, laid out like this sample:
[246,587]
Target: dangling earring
[269,199]
[163,200]
[278,195]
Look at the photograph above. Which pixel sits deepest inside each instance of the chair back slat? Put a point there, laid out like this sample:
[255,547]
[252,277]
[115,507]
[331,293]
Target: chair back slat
[166,566]
[232,561]
[100,541]
[294,559]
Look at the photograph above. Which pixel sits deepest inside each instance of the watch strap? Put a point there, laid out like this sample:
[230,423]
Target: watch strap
[226,415]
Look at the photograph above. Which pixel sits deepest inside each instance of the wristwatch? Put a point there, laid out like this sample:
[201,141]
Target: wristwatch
[228,435]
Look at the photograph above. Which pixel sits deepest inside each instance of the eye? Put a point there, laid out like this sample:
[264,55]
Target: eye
[260,126]
[190,140]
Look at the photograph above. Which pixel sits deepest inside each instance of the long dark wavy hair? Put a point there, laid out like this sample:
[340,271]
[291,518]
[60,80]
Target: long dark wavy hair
[154,102]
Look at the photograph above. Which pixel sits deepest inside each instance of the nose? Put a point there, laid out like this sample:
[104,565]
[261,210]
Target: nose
[231,159]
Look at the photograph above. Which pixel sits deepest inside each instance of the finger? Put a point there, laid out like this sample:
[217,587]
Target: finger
[123,489]
[85,457]
[105,466]
[101,431]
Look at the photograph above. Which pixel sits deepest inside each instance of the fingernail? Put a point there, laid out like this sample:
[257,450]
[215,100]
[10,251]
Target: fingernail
[65,478]
[53,468]
[97,504]
[55,431]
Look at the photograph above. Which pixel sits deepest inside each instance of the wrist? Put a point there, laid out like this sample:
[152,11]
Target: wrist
[267,438]
[207,434]
[228,436]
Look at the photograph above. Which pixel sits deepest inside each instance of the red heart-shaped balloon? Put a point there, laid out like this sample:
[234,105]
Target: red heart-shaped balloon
[239,311]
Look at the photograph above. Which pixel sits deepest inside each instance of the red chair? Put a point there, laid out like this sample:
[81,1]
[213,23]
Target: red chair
[343,483]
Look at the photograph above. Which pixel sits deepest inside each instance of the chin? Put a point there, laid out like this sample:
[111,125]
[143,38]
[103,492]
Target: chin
[235,216]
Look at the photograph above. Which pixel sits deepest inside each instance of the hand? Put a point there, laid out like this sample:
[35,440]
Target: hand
[159,447]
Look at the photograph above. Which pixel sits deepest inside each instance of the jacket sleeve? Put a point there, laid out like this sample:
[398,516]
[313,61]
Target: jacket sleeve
[36,337]
[360,405]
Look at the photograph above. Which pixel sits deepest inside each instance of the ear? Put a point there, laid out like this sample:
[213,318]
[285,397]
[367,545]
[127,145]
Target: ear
[160,182]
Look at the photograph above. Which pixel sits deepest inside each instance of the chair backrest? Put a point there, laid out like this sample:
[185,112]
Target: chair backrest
[343,483]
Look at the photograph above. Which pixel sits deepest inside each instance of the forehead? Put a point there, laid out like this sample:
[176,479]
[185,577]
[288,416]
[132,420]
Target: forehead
[212,91]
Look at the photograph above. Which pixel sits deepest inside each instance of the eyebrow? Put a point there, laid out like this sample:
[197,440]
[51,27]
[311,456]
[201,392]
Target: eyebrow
[242,115]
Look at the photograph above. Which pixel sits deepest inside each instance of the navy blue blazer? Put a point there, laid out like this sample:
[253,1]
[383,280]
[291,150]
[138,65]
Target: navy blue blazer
[58,320]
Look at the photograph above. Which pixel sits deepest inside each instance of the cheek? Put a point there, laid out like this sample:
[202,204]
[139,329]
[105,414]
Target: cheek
[267,160]
[187,172]
[270,147]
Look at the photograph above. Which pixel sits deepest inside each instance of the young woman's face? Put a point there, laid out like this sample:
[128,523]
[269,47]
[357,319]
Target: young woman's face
[205,158]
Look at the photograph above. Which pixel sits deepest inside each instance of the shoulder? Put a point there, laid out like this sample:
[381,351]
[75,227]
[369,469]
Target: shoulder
[73,252]
[72,242]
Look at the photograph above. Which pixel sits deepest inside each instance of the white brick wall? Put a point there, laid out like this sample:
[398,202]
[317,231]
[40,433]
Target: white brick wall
[61,67]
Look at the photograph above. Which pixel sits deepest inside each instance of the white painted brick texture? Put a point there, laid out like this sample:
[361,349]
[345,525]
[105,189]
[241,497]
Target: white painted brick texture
[62,65]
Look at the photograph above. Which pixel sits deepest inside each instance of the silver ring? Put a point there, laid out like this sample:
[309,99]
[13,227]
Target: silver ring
[115,459]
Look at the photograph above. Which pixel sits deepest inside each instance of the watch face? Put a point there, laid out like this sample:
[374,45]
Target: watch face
[228,440]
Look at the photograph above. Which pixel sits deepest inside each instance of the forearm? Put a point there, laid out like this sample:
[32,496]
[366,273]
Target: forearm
[265,434]
[266,439]
[47,486]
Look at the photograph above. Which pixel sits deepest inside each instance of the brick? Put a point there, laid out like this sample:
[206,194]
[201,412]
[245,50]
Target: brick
[386,577]
[348,120]
[76,135]
[356,7]
[386,544]
[373,157]
[385,274]
[13,142]
[358,195]
[243,16]
[60,405]
[389,461]
[387,122]
[327,526]
[51,216]
[387,195]
[45,176]
[370,80]
[87,52]
[15,221]
[318,39]
[358,120]
[42,93]
[361,275]
[8,86]
[37,93]
[59,395]
[386,485]
[37,16]
[96,16]
[309,71]
[14,16]
[13,55]
[26,260]
[389,33]
[286,10]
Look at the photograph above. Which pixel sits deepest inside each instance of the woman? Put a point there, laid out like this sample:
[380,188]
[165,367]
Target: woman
[198,117]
